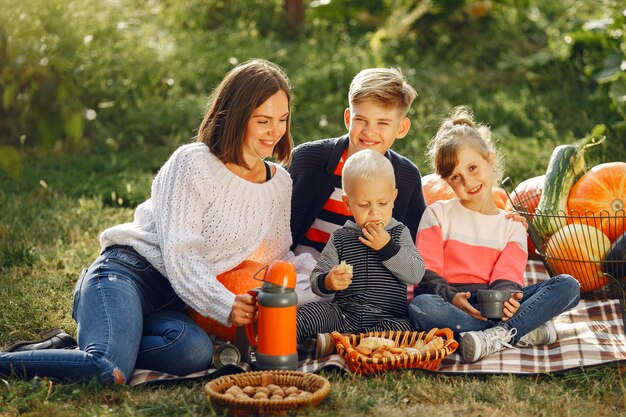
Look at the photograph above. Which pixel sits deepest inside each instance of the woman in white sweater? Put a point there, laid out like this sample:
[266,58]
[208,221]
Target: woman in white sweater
[213,204]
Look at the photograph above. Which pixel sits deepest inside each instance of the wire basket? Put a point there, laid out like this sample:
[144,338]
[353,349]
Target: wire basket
[578,244]
[364,365]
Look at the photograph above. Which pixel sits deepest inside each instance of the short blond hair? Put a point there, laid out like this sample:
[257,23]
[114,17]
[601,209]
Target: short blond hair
[386,86]
[366,165]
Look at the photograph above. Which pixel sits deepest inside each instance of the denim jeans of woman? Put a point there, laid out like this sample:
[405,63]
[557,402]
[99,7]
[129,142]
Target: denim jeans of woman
[128,316]
[540,303]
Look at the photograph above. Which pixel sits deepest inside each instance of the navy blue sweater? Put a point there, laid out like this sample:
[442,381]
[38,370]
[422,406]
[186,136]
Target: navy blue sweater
[311,171]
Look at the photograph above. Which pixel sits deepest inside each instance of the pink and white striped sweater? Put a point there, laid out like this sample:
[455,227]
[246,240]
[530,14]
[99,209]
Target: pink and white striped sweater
[470,249]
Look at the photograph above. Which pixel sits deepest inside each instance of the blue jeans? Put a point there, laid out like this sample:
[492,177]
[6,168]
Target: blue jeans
[540,303]
[128,316]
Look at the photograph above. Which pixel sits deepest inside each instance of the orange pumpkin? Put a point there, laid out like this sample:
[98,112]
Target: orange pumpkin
[598,198]
[526,195]
[525,198]
[435,188]
[238,280]
[500,198]
[578,249]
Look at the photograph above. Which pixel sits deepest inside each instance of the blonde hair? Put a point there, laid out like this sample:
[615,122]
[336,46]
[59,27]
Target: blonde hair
[386,86]
[366,165]
[455,132]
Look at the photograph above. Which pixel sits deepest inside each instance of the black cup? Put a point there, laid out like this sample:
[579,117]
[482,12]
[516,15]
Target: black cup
[492,302]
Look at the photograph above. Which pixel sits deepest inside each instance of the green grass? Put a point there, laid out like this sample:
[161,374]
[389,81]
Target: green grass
[48,234]
[595,392]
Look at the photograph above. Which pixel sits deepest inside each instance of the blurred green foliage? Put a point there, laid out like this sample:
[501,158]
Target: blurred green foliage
[79,76]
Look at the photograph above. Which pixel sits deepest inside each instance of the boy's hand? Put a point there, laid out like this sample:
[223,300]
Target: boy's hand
[339,278]
[460,301]
[511,306]
[375,236]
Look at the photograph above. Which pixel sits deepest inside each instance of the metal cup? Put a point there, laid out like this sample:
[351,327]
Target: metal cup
[492,302]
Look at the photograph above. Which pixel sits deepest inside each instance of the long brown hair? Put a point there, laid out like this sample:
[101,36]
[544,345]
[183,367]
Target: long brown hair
[231,104]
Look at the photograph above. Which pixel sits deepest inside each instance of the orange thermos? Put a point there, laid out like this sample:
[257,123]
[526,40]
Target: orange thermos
[275,344]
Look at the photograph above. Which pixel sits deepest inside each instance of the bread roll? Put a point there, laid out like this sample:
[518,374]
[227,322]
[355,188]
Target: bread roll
[374,343]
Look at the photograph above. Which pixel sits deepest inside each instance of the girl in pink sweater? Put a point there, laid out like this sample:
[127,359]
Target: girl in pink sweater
[468,244]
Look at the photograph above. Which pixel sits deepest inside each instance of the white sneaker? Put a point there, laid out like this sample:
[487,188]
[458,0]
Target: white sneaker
[541,336]
[476,345]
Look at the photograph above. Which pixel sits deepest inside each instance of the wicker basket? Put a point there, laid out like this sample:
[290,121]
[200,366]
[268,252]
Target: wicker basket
[317,385]
[563,253]
[363,365]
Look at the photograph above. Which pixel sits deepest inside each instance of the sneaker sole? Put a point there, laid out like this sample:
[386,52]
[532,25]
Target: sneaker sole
[469,357]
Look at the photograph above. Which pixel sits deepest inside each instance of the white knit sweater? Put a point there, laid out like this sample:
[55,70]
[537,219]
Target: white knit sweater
[202,220]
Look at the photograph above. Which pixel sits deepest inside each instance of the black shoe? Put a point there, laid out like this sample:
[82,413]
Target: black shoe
[52,339]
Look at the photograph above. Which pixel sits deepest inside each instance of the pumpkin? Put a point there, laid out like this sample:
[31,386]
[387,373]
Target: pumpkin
[238,280]
[500,197]
[526,195]
[524,199]
[615,262]
[434,188]
[598,199]
[578,250]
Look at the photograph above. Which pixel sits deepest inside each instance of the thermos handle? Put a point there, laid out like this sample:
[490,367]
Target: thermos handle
[249,329]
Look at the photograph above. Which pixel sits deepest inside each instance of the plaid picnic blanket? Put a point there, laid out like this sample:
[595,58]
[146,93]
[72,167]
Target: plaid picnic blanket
[590,334]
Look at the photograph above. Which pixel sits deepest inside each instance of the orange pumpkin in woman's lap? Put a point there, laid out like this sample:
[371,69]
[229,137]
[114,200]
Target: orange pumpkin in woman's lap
[238,280]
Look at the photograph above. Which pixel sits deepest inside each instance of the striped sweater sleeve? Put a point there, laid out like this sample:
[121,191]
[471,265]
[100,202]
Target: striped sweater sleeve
[328,259]
[403,259]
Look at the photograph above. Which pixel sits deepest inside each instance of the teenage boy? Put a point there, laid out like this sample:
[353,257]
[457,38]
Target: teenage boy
[379,100]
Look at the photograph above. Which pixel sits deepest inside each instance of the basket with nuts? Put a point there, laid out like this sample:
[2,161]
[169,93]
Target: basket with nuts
[374,352]
[267,392]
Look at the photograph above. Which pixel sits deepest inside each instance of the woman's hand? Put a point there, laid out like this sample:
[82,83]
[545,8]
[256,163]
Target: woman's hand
[511,306]
[244,310]
[338,279]
[460,301]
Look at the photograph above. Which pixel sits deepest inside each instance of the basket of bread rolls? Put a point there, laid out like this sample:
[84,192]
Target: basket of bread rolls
[266,392]
[368,353]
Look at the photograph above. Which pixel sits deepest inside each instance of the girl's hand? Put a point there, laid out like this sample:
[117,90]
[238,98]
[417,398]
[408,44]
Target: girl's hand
[517,217]
[244,310]
[460,301]
[374,236]
[511,306]
[338,279]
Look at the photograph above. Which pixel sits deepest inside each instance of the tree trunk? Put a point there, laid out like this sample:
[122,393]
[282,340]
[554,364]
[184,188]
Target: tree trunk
[294,13]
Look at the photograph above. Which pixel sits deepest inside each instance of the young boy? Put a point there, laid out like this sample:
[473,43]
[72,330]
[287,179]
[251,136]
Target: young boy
[368,263]
[379,100]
